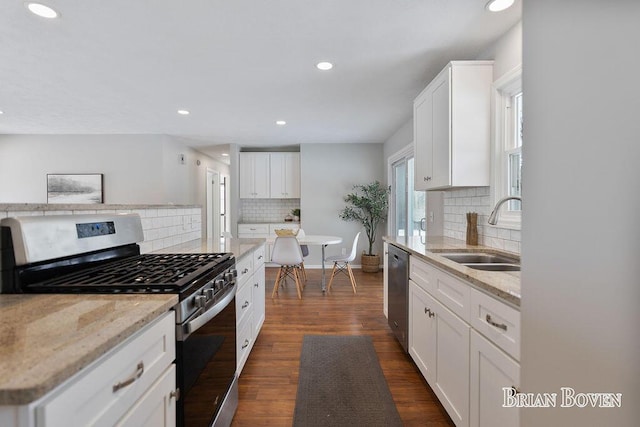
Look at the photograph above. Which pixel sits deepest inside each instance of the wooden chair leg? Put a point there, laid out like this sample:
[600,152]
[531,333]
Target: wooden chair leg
[304,272]
[275,286]
[352,278]
[297,279]
[333,273]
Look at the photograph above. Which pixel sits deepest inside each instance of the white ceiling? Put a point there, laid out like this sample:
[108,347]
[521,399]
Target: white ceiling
[125,67]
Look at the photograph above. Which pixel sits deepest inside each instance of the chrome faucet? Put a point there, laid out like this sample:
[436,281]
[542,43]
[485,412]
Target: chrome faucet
[493,218]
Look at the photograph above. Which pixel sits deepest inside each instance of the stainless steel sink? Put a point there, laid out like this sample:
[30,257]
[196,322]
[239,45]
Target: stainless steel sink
[484,261]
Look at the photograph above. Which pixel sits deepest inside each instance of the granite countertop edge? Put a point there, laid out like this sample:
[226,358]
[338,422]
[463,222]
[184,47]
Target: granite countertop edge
[36,207]
[23,389]
[504,286]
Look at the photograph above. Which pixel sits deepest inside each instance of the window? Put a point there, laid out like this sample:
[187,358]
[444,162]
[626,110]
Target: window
[507,146]
[407,205]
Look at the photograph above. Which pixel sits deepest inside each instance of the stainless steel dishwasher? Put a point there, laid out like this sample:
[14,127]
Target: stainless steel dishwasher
[398,294]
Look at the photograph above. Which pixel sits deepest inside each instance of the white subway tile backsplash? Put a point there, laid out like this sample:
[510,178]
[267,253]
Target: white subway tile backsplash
[456,205]
[267,210]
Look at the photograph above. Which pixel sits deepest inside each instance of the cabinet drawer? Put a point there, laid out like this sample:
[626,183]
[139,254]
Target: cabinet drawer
[90,399]
[259,257]
[244,342]
[157,408]
[253,229]
[496,321]
[244,267]
[452,293]
[422,273]
[243,302]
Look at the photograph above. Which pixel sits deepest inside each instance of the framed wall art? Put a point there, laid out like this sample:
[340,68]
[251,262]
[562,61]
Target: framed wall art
[74,188]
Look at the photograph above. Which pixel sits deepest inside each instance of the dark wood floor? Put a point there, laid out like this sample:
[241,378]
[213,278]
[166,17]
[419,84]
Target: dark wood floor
[269,380]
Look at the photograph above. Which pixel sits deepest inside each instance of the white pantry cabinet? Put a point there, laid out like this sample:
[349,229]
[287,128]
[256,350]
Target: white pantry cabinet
[254,175]
[132,384]
[285,175]
[452,127]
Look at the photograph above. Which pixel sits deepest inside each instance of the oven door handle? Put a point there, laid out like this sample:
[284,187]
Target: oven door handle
[199,321]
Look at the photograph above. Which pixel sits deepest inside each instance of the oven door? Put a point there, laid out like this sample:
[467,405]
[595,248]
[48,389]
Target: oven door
[206,366]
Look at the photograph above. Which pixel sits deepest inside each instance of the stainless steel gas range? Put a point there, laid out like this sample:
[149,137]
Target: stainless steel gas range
[100,254]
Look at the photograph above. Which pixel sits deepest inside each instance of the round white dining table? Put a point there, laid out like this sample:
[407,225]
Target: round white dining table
[316,240]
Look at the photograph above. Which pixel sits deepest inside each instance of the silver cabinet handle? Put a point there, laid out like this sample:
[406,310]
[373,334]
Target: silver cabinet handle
[175,394]
[245,271]
[429,312]
[256,285]
[246,344]
[246,304]
[131,379]
[497,325]
[260,257]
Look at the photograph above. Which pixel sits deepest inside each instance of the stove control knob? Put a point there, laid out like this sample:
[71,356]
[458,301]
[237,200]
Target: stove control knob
[231,275]
[209,293]
[200,301]
[219,285]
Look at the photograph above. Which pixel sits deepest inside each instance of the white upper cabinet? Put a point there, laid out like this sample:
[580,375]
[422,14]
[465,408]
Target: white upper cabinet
[269,175]
[254,175]
[285,175]
[452,127]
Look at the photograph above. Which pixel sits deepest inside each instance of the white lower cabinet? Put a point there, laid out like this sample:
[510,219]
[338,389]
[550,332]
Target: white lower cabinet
[439,343]
[466,344]
[250,302]
[491,370]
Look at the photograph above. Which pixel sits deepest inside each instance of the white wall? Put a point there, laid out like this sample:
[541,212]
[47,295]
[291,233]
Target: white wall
[138,169]
[328,173]
[580,269]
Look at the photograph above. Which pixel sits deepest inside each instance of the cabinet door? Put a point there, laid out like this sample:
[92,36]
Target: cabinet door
[423,139]
[258,289]
[285,175]
[422,331]
[491,370]
[254,175]
[439,344]
[441,131]
[157,408]
[452,364]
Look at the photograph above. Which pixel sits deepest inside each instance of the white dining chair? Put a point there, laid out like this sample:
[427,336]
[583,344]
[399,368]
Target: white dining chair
[286,252]
[341,263]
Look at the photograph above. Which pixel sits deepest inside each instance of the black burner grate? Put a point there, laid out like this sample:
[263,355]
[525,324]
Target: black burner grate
[155,272]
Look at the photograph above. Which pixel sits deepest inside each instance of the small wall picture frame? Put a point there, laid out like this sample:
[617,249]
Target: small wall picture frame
[75,188]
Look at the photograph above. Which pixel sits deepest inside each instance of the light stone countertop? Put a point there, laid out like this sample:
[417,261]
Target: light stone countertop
[46,339]
[504,285]
[239,247]
[24,207]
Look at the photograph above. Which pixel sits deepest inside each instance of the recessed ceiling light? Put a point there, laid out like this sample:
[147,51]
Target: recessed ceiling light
[42,10]
[499,5]
[224,154]
[281,122]
[1,112]
[324,66]
[183,112]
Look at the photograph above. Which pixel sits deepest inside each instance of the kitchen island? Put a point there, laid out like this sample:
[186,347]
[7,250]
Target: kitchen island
[46,339]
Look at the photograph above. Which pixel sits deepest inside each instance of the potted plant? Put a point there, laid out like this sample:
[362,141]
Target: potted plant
[368,205]
[296,214]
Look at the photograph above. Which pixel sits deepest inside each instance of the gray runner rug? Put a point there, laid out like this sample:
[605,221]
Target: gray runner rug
[341,384]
